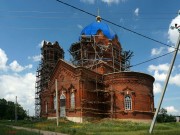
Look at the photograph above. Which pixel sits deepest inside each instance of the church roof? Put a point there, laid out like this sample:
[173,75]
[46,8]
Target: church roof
[92,29]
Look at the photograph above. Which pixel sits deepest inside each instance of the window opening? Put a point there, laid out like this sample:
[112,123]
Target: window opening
[72,100]
[128,103]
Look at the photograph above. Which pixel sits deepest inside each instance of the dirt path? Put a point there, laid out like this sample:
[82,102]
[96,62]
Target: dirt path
[39,131]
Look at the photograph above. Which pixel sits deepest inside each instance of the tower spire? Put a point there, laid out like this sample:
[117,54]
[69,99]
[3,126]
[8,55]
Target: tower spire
[98,18]
[98,11]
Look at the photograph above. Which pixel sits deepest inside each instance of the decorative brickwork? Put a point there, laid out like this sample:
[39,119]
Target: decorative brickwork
[97,95]
[98,83]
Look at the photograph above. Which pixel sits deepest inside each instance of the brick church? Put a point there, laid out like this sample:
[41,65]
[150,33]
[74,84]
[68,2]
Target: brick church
[97,83]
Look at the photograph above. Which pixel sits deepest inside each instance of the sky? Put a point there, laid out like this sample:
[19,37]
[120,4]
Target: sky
[24,24]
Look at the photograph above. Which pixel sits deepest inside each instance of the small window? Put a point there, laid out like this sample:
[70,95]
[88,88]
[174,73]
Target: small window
[72,100]
[128,103]
[54,102]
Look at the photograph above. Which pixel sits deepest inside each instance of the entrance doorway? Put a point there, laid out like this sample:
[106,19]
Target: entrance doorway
[62,105]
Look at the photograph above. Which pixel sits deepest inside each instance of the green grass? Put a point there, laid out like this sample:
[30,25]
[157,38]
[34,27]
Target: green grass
[6,130]
[103,127]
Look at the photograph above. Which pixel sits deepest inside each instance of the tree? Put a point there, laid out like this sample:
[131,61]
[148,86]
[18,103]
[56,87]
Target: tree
[21,112]
[164,117]
[10,111]
[7,110]
[3,107]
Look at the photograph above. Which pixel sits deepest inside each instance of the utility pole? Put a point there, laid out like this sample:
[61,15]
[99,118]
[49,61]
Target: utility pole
[167,78]
[28,113]
[16,110]
[57,115]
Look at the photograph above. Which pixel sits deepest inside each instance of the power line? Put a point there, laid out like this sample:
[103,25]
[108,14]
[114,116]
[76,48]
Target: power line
[116,12]
[57,17]
[106,21]
[151,59]
[31,11]
[127,30]
[77,17]
[139,34]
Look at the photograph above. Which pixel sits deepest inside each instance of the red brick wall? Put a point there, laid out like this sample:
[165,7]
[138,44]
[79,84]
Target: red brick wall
[84,83]
[139,87]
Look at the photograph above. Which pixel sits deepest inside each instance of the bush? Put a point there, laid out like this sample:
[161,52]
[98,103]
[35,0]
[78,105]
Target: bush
[164,117]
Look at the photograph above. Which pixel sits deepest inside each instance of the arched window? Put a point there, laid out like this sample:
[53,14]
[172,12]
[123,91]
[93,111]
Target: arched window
[72,100]
[54,102]
[128,103]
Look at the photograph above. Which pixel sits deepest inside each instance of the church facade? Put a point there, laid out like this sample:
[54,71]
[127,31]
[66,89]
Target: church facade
[97,83]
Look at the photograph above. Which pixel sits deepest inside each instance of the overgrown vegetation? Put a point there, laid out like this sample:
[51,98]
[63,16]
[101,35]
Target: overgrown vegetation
[164,117]
[103,127]
[7,110]
[6,130]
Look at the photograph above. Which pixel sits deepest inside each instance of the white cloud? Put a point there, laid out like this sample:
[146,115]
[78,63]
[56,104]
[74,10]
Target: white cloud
[3,60]
[170,49]
[136,12]
[20,86]
[160,73]
[14,66]
[109,2]
[175,79]
[160,67]
[157,51]
[12,85]
[88,1]
[80,26]
[171,110]
[41,44]
[159,76]
[157,88]
[35,58]
[173,34]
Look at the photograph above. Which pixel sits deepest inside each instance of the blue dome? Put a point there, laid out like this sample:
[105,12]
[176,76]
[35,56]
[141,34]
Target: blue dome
[92,29]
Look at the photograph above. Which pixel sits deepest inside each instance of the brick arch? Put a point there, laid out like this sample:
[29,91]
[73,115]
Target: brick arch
[71,88]
[63,90]
[128,92]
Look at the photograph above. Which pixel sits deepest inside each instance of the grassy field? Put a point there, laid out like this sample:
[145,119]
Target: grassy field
[6,130]
[103,127]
